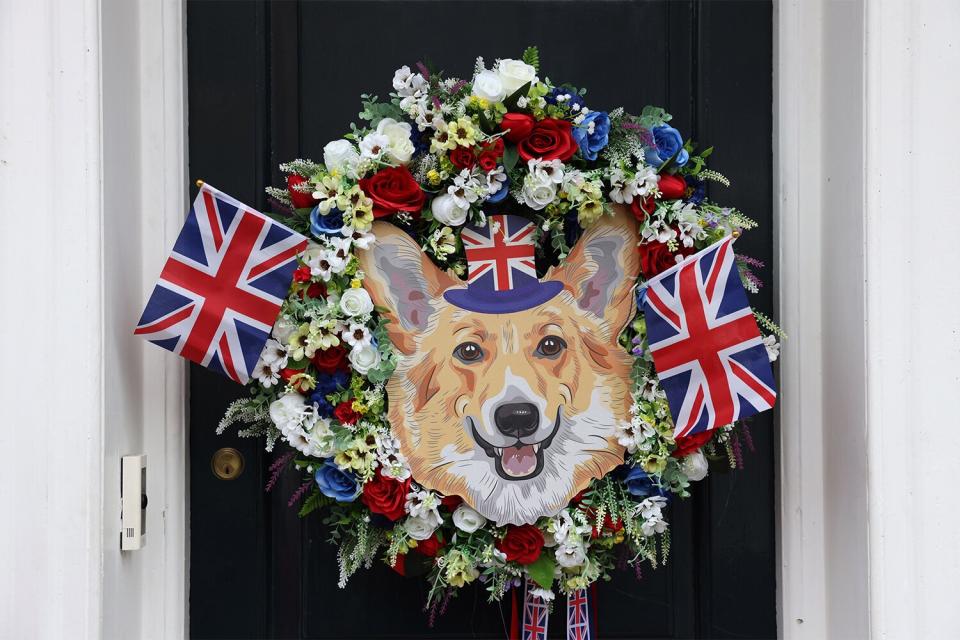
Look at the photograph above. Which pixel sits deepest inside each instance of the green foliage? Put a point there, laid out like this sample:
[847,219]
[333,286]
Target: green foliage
[313,502]
[374,111]
[652,116]
[531,55]
[541,570]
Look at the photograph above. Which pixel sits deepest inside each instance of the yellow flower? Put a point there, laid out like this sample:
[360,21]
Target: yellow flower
[463,133]
[359,407]
[589,212]
[433,176]
[356,283]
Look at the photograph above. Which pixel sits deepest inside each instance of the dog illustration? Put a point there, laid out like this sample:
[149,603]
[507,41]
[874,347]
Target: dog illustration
[509,396]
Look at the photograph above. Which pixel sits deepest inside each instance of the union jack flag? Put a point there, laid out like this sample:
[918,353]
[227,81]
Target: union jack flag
[221,289]
[536,615]
[502,249]
[578,615]
[706,345]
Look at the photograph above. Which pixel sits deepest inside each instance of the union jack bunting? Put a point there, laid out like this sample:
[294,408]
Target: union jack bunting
[536,615]
[501,249]
[221,289]
[705,343]
[578,615]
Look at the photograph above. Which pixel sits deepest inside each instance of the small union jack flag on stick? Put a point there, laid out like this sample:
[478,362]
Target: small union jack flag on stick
[705,342]
[221,289]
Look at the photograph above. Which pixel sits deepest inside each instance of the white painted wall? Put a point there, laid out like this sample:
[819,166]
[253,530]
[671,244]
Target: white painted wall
[92,191]
[866,95]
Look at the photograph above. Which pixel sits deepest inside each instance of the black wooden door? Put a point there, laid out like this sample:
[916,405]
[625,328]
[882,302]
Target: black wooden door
[273,81]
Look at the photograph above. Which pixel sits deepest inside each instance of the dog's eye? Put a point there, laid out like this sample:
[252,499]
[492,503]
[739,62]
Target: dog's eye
[468,352]
[550,347]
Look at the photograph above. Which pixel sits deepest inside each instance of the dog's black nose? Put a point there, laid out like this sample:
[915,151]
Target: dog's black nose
[517,419]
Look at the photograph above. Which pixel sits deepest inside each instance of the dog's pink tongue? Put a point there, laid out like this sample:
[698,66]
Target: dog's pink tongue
[519,461]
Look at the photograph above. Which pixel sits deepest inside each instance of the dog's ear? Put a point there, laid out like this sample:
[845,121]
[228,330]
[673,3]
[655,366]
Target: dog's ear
[401,278]
[601,270]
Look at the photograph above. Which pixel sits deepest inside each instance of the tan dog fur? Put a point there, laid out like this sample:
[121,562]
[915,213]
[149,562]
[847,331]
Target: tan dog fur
[435,399]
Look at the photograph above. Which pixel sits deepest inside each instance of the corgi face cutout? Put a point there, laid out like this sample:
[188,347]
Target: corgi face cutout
[513,412]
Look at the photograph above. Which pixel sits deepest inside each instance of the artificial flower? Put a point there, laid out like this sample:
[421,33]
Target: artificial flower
[356,302]
[514,74]
[399,148]
[446,210]
[517,126]
[356,335]
[592,134]
[300,199]
[336,483]
[695,466]
[340,156]
[521,544]
[385,496]
[364,358]
[393,189]
[489,86]
[467,519]
[550,139]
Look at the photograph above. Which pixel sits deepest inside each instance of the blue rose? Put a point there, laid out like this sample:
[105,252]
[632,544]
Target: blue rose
[499,196]
[326,224]
[336,483]
[640,484]
[668,141]
[591,143]
[327,384]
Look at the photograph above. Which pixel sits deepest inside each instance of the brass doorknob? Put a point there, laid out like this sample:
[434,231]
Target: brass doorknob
[227,463]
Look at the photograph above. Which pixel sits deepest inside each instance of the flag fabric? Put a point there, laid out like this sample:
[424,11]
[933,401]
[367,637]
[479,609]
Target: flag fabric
[502,269]
[578,615]
[536,614]
[221,289]
[706,346]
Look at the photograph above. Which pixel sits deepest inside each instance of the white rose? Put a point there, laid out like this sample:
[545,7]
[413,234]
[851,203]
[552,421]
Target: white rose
[514,74]
[356,302]
[446,210]
[341,156]
[284,328]
[695,466]
[419,528]
[571,554]
[489,86]
[287,410]
[364,358]
[400,148]
[536,194]
[468,520]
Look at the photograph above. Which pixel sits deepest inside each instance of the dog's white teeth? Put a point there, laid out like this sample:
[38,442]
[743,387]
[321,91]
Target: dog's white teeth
[498,450]
[536,448]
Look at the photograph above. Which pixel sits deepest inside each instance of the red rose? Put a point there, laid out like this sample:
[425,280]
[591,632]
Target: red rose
[430,546]
[672,187]
[490,157]
[655,258]
[302,274]
[300,199]
[517,126]
[550,139]
[463,158]
[451,502]
[393,189]
[385,496]
[330,360]
[345,413]
[642,207]
[522,544]
[688,444]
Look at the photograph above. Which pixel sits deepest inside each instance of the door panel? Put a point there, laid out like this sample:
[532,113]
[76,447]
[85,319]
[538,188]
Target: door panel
[272,81]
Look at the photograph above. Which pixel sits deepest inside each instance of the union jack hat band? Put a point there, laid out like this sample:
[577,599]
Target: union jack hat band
[502,273]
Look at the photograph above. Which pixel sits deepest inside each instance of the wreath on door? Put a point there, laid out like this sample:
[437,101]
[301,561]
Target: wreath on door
[460,369]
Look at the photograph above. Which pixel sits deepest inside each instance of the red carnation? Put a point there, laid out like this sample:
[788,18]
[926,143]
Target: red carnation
[385,496]
[302,274]
[330,360]
[517,126]
[551,139]
[522,544]
[688,444]
[345,413]
[672,187]
[300,199]
[393,189]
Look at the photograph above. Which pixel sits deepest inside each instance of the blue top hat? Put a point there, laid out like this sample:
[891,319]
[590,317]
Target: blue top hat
[502,273]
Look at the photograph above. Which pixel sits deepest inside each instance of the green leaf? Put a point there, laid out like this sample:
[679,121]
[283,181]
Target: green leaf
[541,571]
[312,503]
[531,55]
[510,157]
[511,101]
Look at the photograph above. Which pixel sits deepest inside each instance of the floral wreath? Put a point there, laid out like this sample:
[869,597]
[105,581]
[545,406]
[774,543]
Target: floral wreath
[442,153]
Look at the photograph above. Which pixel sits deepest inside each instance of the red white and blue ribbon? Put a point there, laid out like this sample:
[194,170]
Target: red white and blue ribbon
[536,615]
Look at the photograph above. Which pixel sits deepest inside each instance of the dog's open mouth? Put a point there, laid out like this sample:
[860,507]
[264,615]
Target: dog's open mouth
[519,461]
